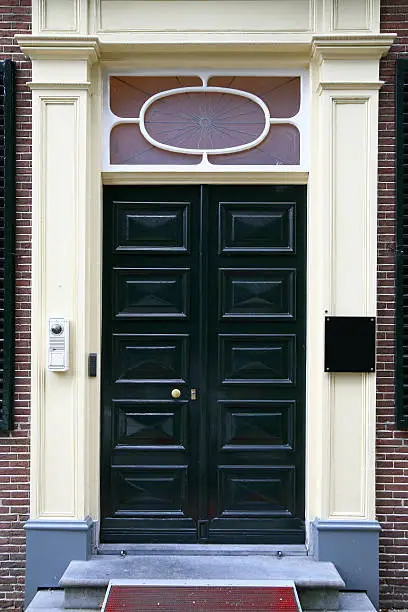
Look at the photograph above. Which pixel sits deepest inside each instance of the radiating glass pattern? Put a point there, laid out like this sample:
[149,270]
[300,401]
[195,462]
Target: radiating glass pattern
[280,94]
[128,147]
[201,120]
[255,116]
[129,93]
[280,147]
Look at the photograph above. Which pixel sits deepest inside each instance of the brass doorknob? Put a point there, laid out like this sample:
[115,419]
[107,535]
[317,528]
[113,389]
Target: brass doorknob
[175,394]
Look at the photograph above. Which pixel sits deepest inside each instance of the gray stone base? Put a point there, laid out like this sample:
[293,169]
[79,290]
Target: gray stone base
[51,546]
[53,601]
[353,547]
[85,582]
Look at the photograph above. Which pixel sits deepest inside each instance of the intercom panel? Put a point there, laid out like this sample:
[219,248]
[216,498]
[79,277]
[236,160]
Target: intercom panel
[58,344]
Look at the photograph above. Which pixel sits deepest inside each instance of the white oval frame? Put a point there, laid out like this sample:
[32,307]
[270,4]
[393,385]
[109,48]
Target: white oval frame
[201,88]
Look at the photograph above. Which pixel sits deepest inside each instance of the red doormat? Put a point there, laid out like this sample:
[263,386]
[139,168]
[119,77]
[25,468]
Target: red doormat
[200,596]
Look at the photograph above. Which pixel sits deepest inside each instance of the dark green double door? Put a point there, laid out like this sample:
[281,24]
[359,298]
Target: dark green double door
[203,292]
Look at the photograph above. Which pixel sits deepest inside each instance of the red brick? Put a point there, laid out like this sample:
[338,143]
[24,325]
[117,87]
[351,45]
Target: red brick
[15,17]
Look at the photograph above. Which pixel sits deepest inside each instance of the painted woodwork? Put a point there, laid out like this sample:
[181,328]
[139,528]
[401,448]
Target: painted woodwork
[204,288]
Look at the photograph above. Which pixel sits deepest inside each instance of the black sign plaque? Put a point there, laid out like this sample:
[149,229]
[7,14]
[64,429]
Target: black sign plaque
[349,344]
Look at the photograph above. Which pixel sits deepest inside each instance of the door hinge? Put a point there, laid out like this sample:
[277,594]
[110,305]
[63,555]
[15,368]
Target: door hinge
[202,530]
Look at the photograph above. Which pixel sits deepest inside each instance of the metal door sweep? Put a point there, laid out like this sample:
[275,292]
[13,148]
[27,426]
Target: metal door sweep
[201,595]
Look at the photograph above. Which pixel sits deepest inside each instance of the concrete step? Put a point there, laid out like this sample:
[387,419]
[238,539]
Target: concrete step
[50,601]
[318,583]
[53,601]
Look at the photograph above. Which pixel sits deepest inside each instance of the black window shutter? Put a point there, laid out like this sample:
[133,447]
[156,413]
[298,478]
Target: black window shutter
[7,239]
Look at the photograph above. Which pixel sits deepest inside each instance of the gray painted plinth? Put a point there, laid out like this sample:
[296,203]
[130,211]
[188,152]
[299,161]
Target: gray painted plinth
[85,583]
[51,545]
[353,546]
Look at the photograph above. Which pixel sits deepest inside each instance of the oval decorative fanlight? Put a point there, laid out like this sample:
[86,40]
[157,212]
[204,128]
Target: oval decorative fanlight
[204,120]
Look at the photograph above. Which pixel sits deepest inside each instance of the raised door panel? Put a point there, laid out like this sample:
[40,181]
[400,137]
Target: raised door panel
[151,227]
[151,293]
[255,227]
[256,425]
[151,424]
[141,359]
[256,293]
[257,359]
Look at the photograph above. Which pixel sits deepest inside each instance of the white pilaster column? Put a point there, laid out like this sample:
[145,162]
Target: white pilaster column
[343,197]
[343,262]
[61,277]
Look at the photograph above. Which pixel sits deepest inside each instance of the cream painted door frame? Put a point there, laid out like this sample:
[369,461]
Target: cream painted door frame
[341,264]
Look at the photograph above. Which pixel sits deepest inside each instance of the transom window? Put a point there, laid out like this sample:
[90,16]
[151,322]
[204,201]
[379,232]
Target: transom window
[205,121]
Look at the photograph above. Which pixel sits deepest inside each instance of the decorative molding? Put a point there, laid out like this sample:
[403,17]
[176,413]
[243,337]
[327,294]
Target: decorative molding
[363,46]
[86,85]
[219,177]
[60,47]
[349,86]
[339,525]
[92,48]
[55,525]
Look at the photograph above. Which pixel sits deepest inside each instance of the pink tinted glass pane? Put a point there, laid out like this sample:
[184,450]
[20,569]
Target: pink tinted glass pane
[280,147]
[280,94]
[127,146]
[128,93]
[205,120]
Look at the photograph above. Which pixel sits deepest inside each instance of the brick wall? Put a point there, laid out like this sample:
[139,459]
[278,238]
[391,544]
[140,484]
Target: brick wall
[392,445]
[15,17]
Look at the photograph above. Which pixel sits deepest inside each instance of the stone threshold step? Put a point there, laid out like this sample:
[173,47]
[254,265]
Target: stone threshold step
[53,601]
[304,571]
[204,549]
[318,583]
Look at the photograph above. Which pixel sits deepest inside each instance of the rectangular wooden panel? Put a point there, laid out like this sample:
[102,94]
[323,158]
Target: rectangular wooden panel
[147,423]
[57,409]
[256,425]
[155,358]
[256,491]
[151,227]
[252,293]
[352,15]
[254,227]
[149,489]
[217,15]
[151,292]
[261,359]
